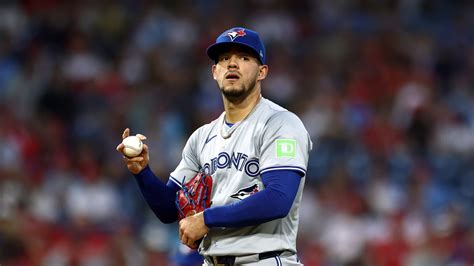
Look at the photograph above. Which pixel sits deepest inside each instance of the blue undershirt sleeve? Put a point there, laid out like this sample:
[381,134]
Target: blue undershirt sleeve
[273,202]
[159,196]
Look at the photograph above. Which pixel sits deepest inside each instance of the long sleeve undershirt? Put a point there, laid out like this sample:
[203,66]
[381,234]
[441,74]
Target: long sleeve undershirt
[273,202]
[159,196]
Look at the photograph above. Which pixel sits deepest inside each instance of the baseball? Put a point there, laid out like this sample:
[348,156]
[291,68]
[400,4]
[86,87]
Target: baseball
[133,146]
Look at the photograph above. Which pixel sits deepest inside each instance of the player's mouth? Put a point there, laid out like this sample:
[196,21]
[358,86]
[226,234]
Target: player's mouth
[232,76]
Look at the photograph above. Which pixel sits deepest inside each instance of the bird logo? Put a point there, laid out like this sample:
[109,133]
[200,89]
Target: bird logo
[245,192]
[234,34]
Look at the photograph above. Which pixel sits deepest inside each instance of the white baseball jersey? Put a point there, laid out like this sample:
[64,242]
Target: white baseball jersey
[269,138]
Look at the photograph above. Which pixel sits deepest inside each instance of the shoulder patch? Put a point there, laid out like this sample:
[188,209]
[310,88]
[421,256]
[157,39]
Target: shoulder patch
[285,148]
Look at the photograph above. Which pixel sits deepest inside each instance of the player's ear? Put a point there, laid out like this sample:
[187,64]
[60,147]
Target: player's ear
[213,70]
[263,71]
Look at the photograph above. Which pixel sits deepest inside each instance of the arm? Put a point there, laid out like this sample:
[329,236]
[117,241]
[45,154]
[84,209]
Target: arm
[273,202]
[159,196]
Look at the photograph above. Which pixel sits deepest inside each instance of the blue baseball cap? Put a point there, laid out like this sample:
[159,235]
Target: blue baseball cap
[238,36]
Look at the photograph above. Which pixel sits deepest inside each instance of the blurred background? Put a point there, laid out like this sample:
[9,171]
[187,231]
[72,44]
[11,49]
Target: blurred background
[385,88]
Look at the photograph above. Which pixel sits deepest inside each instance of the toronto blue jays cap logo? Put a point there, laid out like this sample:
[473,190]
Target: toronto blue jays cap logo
[234,34]
[238,36]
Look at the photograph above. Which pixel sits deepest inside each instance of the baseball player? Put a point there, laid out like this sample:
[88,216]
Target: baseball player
[256,153]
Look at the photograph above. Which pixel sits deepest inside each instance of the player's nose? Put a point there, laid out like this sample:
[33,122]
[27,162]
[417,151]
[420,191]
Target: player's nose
[233,62]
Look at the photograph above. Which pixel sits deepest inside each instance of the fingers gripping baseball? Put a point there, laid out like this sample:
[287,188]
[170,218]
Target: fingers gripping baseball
[140,160]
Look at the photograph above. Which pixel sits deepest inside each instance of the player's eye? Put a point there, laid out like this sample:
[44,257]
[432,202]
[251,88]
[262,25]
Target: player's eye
[245,58]
[224,58]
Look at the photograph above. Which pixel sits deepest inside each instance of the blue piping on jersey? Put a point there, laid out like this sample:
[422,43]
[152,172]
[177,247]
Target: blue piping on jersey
[278,260]
[176,181]
[293,168]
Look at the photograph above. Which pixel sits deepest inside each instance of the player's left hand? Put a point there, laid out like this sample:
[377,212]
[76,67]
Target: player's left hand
[192,229]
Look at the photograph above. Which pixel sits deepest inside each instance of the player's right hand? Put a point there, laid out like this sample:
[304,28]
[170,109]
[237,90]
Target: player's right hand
[136,164]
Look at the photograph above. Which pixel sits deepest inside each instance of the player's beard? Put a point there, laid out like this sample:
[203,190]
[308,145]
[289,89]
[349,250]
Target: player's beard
[237,95]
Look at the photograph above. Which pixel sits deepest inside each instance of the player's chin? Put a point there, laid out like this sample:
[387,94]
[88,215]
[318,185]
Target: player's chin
[232,90]
[233,93]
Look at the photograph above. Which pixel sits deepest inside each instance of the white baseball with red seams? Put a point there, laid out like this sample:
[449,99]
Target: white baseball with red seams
[133,146]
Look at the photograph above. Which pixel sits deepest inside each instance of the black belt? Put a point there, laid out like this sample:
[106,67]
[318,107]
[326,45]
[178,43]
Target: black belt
[230,260]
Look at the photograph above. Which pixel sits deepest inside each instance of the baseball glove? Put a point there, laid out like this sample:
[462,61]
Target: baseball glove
[195,195]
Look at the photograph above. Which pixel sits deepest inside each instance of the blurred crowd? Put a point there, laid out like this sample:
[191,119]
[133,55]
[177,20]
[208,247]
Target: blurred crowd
[385,88]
